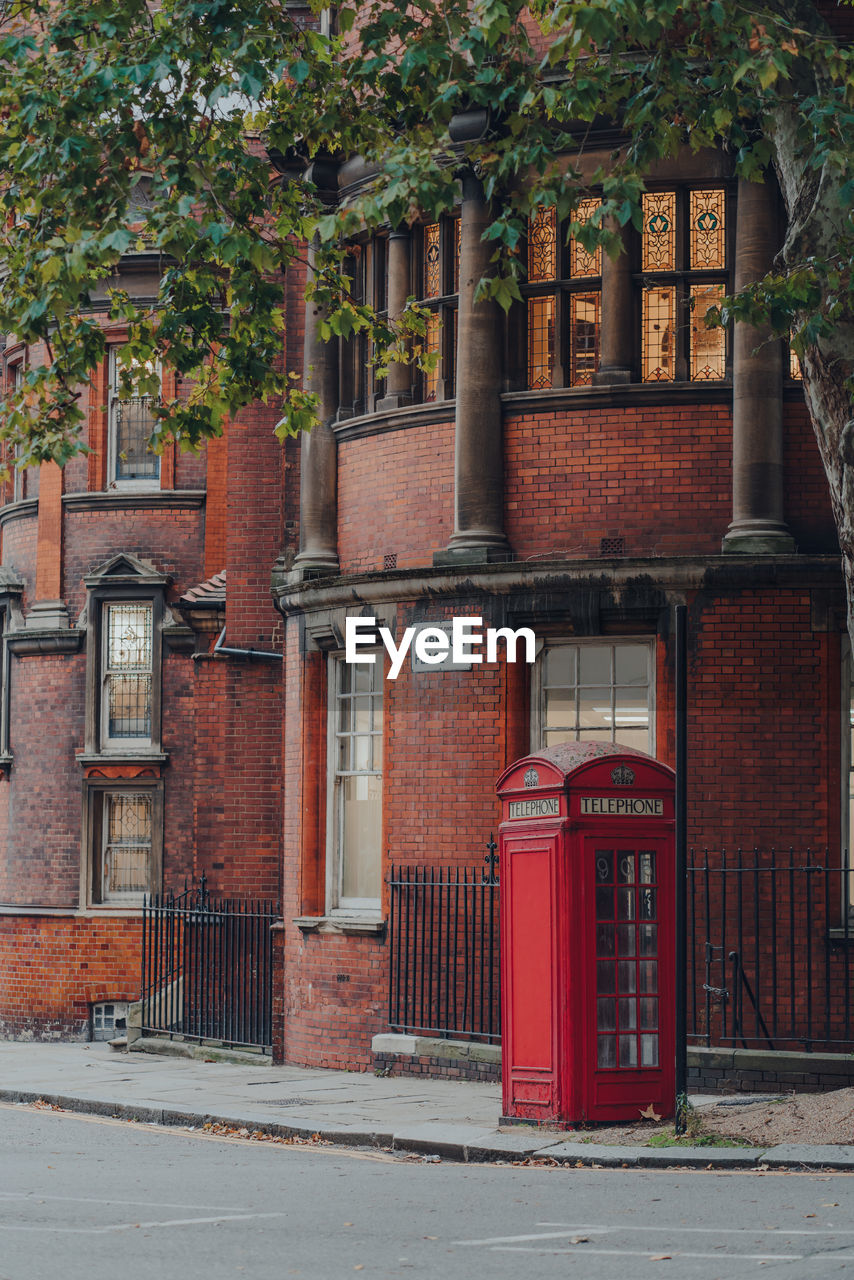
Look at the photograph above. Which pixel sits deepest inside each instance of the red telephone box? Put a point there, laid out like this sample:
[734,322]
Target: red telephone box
[587,862]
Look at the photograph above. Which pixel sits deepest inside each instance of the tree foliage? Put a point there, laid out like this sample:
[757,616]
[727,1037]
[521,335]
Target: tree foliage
[191,97]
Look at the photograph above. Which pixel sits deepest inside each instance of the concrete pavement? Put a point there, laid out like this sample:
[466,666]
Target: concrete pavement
[457,1120]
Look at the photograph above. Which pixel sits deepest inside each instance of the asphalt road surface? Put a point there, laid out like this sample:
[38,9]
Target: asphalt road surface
[91,1199]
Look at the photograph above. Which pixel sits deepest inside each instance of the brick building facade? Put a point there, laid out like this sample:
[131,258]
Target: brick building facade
[136,755]
[578,468]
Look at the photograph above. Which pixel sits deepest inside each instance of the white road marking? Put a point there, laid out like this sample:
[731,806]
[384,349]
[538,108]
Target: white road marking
[645,1253]
[537,1235]
[35,1198]
[726,1231]
[133,1226]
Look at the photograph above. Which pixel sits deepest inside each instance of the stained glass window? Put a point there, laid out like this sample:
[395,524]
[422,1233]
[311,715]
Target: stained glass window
[708,229]
[583,338]
[542,245]
[658,240]
[795,370]
[126,866]
[675,341]
[658,334]
[708,346]
[541,342]
[431,345]
[432,260]
[581,261]
[127,672]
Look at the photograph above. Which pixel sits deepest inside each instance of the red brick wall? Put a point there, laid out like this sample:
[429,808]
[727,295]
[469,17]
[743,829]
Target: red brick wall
[764,723]
[255,518]
[808,510]
[395,495]
[659,478]
[53,968]
[237,788]
[40,863]
[19,552]
[171,539]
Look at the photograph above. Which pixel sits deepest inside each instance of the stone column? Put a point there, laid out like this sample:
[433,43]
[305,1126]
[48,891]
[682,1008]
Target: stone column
[617,319]
[758,526]
[399,380]
[479,461]
[318,513]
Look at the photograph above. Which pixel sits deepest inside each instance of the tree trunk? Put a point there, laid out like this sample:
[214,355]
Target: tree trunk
[817,227]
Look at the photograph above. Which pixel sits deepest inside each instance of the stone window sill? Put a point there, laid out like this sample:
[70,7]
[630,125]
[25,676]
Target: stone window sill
[362,925]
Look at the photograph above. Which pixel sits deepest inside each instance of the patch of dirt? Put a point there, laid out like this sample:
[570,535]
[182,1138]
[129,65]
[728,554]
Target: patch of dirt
[798,1117]
[793,1117]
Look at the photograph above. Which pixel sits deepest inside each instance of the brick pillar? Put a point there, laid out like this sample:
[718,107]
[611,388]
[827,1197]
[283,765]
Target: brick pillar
[48,611]
[216,502]
[479,457]
[757,526]
[617,322]
[399,380]
[318,515]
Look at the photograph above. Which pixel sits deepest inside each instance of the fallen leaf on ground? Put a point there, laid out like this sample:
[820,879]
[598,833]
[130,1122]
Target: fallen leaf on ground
[650,1113]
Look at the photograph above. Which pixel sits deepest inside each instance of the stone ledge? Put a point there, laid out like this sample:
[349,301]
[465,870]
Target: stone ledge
[395,1045]
[339,924]
[773,1062]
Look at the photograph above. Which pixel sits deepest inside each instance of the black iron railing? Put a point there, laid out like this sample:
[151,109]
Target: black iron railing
[207,967]
[444,950]
[769,950]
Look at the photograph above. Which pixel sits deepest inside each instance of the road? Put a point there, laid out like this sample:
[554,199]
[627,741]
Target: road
[85,1198]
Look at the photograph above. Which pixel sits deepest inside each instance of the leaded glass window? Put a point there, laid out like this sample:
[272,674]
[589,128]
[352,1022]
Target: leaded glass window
[132,464]
[126,845]
[658,243]
[366,266]
[432,260]
[127,673]
[563,303]
[684,274]
[440,284]
[795,371]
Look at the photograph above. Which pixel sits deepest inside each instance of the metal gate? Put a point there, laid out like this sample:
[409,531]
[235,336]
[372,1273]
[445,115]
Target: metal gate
[207,967]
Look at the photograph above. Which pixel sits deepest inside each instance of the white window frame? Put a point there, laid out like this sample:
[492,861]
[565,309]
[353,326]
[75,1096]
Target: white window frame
[115,481]
[537,690]
[336,903]
[134,743]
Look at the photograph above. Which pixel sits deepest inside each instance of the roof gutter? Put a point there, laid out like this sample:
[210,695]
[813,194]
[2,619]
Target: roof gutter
[219,647]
